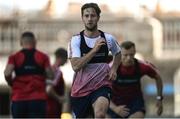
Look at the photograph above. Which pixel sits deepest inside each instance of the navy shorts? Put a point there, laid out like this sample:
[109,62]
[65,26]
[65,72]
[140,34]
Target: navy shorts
[82,106]
[135,106]
[29,109]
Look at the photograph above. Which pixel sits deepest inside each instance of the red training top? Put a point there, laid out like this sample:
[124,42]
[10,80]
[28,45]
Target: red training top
[29,87]
[129,86]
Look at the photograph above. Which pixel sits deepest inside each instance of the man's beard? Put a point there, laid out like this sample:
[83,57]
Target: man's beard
[92,28]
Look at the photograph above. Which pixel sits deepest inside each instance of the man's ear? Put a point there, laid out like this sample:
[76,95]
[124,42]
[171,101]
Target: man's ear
[21,43]
[98,18]
[35,42]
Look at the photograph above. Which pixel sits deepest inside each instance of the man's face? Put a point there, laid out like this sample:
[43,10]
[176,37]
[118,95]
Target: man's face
[128,56]
[27,42]
[61,61]
[90,19]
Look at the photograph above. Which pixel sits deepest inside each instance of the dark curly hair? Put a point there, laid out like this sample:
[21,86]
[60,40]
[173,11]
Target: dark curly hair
[91,5]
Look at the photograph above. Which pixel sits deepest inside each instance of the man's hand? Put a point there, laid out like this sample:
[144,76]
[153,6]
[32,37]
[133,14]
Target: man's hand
[99,43]
[115,65]
[159,106]
[8,74]
[112,74]
[122,110]
[61,99]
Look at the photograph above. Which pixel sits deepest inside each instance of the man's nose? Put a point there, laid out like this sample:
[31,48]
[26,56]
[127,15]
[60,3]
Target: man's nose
[90,18]
[129,57]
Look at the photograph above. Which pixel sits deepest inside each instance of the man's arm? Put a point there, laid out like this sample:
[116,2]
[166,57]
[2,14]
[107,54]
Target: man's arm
[49,88]
[115,65]
[66,104]
[121,110]
[52,93]
[49,73]
[49,82]
[8,73]
[78,63]
[159,86]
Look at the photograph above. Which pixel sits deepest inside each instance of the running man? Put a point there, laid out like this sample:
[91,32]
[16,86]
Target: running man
[127,99]
[88,53]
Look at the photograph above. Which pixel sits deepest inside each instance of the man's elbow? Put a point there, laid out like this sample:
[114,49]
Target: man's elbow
[7,74]
[75,68]
[49,89]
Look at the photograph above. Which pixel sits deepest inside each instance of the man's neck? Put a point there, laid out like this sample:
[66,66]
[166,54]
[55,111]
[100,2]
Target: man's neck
[57,63]
[128,65]
[94,33]
[28,46]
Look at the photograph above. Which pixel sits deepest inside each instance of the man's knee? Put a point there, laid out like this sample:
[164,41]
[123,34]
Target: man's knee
[100,107]
[100,114]
[138,114]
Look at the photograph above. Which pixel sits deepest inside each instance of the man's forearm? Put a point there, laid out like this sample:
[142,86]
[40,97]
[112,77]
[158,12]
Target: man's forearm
[78,63]
[8,80]
[112,105]
[49,73]
[159,86]
[52,93]
[117,61]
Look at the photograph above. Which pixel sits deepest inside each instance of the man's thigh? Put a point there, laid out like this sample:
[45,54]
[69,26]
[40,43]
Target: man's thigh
[19,109]
[37,108]
[138,114]
[101,99]
[136,106]
[81,106]
[101,105]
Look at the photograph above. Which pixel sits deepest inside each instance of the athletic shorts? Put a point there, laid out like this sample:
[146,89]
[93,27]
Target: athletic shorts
[29,109]
[82,106]
[135,106]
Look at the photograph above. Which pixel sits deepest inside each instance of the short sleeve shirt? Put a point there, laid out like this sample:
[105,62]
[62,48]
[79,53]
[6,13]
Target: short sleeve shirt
[95,75]
[28,87]
[125,94]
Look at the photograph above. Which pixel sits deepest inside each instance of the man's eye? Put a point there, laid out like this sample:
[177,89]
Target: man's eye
[86,15]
